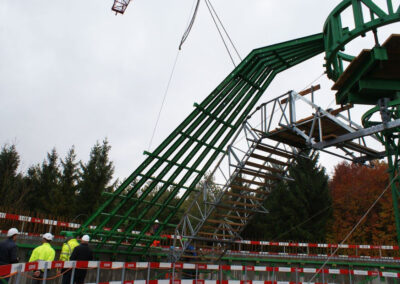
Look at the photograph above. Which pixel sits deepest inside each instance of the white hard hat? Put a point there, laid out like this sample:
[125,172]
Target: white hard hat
[12,232]
[157,221]
[48,236]
[85,238]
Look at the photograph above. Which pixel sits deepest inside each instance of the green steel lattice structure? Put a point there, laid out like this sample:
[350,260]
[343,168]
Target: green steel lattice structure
[159,186]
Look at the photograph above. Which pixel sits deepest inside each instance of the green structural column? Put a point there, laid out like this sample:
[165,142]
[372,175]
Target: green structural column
[389,111]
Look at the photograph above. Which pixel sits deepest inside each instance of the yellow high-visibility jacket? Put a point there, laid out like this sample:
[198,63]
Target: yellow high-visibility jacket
[44,252]
[67,249]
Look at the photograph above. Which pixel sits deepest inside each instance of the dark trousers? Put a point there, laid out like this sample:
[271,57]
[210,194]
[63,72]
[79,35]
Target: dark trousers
[66,277]
[80,275]
[34,281]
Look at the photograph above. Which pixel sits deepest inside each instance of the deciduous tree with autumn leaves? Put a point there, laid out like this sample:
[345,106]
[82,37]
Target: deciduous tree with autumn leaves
[354,189]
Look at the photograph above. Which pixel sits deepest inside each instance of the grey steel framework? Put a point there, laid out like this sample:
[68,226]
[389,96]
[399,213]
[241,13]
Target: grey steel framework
[258,157]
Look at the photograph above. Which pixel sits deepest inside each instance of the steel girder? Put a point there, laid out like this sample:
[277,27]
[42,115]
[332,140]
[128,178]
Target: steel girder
[172,171]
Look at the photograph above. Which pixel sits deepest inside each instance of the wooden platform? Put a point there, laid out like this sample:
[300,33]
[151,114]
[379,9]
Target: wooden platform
[372,75]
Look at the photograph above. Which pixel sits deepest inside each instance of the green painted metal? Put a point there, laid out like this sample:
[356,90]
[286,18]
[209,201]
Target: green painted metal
[176,166]
[336,36]
[159,186]
[390,139]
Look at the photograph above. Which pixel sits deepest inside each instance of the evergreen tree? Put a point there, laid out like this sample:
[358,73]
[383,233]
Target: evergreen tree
[44,183]
[95,179]
[12,186]
[65,198]
[300,208]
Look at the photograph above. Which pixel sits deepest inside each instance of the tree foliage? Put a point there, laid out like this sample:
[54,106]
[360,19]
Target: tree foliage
[299,207]
[60,187]
[354,189]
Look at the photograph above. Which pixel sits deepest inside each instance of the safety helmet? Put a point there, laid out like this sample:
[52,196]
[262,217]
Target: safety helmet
[11,232]
[48,236]
[85,238]
[157,221]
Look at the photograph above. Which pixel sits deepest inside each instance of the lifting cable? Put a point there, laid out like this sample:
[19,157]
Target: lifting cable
[212,12]
[355,227]
[185,35]
[214,15]
[190,25]
[223,27]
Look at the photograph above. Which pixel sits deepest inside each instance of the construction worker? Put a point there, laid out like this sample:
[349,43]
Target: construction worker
[8,250]
[43,252]
[66,251]
[82,252]
[154,231]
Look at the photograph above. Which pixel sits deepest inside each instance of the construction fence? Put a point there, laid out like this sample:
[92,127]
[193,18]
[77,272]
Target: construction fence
[190,273]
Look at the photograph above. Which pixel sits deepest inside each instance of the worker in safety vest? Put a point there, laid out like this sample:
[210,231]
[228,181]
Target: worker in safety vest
[42,253]
[153,231]
[66,251]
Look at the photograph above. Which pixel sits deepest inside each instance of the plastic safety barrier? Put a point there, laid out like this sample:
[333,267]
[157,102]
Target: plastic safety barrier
[33,266]
[22,218]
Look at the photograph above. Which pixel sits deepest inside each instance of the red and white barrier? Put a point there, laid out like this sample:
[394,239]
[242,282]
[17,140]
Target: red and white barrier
[188,281]
[33,266]
[244,242]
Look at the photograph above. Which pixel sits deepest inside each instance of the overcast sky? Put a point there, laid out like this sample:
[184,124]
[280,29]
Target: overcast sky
[72,73]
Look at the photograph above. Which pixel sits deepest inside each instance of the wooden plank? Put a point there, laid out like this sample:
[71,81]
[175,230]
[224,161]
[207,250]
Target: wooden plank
[339,110]
[208,227]
[243,196]
[267,159]
[242,210]
[239,187]
[273,151]
[215,234]
[305,92]
[232,217]
[241,180]
[241,203]
[271,169]
[261,175]
[224,222]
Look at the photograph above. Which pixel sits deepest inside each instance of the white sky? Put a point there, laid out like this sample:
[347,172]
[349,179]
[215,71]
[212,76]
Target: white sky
[72,73]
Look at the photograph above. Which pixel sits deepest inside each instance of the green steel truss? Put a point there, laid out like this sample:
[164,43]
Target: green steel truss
[336,36]
[159,186]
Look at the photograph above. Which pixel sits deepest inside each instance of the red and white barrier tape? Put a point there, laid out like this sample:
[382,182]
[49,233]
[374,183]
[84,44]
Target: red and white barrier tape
[283,254]
[188,281]
[33,266]
[244,242]
[255,253]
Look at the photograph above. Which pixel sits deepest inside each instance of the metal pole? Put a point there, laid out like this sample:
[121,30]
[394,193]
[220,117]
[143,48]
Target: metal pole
[123,274]
[19,269]
[148,273]
[220,274]
[351,280]
[173,272]
[98,273]
[45,273]
[197,273]
[73,272]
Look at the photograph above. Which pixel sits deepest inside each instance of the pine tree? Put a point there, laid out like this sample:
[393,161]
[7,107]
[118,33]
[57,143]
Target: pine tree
[69,178]
[95,179]
[44,184]
[299,208]
[12,186]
